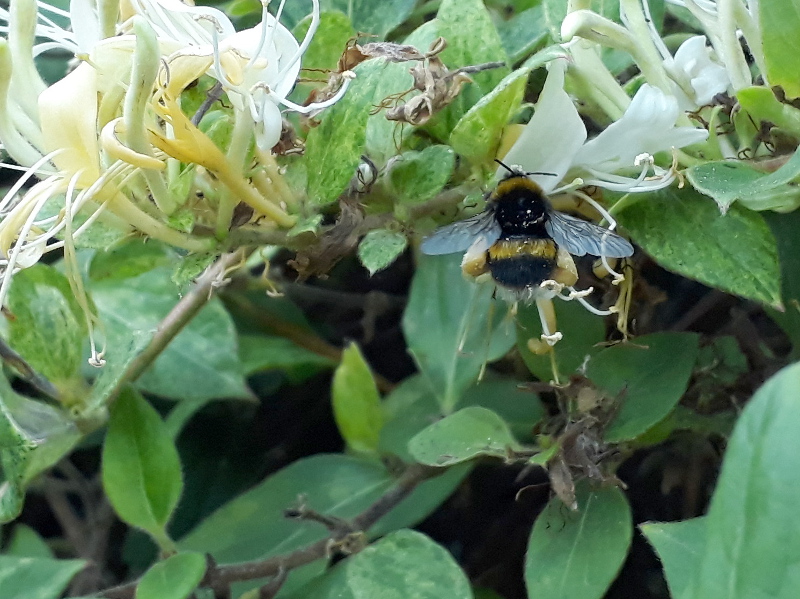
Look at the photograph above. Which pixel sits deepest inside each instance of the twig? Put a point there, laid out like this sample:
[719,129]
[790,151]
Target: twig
[181,315]
[220,577]
[13,359]
[72,526]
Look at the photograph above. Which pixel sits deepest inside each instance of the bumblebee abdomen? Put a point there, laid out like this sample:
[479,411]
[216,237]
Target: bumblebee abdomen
[521,263]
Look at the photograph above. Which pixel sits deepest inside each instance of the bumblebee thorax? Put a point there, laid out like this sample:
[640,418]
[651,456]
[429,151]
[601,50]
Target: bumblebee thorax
[520,206]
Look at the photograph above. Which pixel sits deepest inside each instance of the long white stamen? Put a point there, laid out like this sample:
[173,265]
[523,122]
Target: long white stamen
[592,309]
[20,243]
[347,77]
[30,172]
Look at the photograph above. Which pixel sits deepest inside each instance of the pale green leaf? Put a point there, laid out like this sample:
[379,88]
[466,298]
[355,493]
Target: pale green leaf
[173,578]
[684,232]
[36,577]
[679,546]
[141,468]
[469,433]
[48,326]
[578,554]
[779,22]
[751,549]
[204,350]
[380,248]
[356,402]
[416,177]
[648,378]
[453,327]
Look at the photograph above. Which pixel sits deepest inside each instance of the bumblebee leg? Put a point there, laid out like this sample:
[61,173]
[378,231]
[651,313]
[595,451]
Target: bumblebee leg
[474,263]
[565,273]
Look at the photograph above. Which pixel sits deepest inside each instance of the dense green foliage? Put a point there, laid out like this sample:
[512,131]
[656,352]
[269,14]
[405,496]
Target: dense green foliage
[293,401]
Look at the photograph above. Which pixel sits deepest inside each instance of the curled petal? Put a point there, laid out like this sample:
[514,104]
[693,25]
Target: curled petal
[648,126]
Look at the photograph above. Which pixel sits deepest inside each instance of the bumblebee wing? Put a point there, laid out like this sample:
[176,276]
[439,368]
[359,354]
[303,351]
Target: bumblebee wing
[581,237]
[459,236]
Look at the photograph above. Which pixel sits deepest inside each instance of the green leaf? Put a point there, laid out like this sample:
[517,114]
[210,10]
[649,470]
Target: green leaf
[760,104]
[523,32]
[684,232]
[380,248]
[408,409]
[36,577]
[453,327]
[649,377]
[371,17]
[26,542]
[174,578]
[464,435]
[260,353]
[356,402]
[578,554]
[253,525]
[582,332]
[141,468]
[405,563]
[750,547]
[785,228]
[418,176]
[519,408]
[205,350]
[33,437]
[385,137]
[728,182]
[335,146]
[461,22]
[679,546]
[128,260]
[329,41]
[779,20]
[48,327]
[477,135]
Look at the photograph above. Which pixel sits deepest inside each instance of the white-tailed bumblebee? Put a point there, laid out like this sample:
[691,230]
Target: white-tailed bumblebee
[522,242]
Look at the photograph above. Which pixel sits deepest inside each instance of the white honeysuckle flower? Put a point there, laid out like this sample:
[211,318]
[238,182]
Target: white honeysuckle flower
[647,126]
[698,77]
[257,67]
[724,22]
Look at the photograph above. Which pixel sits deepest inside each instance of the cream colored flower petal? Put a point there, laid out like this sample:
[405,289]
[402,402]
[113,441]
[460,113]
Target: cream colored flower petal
[68,114]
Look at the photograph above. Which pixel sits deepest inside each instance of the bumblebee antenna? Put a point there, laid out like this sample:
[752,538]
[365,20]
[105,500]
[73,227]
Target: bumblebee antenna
[515,171]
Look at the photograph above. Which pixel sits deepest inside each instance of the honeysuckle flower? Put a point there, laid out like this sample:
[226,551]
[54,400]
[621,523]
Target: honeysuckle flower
[697,75]
[648,126]
[724,21]
[110,139]
[256,67]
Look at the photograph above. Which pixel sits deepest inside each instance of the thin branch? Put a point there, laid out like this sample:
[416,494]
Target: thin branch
[180,316]
[18,363]
[220,577]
